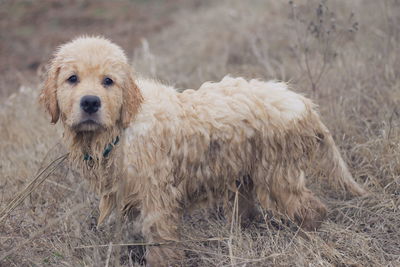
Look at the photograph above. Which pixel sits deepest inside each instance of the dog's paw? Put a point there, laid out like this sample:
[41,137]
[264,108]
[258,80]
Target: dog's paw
[311,213]
[164,256]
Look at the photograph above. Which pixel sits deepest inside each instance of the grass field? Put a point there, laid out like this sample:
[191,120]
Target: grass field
[345,55]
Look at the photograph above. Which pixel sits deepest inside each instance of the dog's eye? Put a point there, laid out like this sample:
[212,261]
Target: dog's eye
[108,81]
[73,79]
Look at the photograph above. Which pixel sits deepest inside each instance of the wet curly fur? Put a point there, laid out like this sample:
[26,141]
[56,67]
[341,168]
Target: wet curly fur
[181,150]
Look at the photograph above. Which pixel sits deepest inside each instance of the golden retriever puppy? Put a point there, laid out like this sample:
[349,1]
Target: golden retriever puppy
[153,152]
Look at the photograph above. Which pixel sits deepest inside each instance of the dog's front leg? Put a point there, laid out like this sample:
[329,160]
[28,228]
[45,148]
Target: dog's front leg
[161,222]
[107,204]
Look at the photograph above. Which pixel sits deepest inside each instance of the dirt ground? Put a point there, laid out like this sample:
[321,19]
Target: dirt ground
[31,30]
[345,55]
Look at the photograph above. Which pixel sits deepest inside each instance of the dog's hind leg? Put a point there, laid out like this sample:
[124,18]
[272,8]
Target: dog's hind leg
[285,191]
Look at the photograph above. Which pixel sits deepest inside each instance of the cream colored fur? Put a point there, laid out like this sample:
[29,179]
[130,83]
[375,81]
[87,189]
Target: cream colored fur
[180,150]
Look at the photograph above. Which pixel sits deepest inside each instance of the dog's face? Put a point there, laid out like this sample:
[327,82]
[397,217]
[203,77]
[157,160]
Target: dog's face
[90,86]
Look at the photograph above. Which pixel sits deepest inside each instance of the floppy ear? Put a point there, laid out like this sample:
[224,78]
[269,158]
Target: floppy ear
[48,95]
[132,99]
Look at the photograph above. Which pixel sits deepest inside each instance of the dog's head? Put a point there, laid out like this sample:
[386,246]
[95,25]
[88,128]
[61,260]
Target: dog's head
[90,86]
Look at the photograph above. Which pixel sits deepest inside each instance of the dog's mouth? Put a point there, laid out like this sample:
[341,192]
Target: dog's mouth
[88,125]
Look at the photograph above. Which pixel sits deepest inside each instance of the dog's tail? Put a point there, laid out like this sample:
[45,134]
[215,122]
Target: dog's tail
[333,165]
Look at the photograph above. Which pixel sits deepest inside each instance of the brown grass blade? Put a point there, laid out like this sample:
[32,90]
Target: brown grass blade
[38,180]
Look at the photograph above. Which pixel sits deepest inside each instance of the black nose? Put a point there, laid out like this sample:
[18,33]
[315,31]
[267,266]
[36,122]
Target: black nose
[90,103]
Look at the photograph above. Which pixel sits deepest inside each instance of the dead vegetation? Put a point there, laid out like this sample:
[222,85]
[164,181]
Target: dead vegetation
[352,72]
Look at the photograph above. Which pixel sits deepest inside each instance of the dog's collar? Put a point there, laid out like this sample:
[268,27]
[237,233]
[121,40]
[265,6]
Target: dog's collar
[106,151]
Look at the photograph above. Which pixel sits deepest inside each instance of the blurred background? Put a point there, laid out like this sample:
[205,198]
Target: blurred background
[342,54]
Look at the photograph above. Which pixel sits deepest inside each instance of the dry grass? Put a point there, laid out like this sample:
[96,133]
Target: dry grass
[359,96]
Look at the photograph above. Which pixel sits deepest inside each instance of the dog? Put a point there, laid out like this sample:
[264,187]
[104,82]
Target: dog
[151,152]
